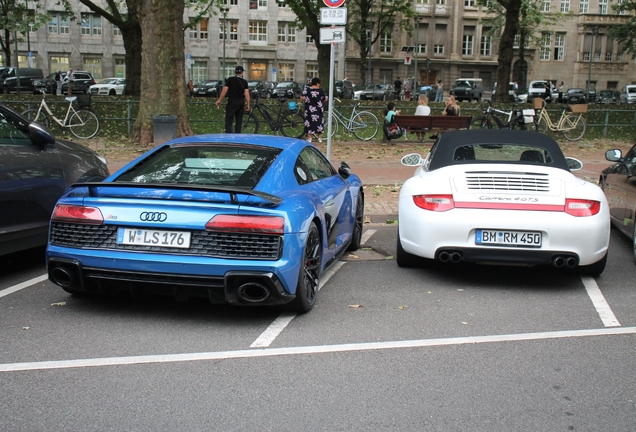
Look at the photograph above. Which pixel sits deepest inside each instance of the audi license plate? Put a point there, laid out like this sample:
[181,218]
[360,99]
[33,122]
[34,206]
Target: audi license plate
[148,237]
[508,238]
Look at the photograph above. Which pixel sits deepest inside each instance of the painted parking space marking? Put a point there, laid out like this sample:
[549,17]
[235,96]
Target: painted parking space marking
[367,235]
[599,302]
[18,287]
[271,333]
[309,350]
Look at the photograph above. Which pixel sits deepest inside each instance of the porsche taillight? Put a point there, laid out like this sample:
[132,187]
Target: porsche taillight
[581,207]
[252,224]
[438,203]
[75,213]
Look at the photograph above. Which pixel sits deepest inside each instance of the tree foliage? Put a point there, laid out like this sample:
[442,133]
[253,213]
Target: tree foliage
[626,33]
[374,18]
[15,19]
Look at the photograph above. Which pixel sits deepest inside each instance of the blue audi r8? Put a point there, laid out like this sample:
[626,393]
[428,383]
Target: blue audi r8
[238,219]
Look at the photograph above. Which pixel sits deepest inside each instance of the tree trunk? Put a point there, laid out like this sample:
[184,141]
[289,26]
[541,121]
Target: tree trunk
[133,44]
[6,47]
[324,60]
[506,51]
[163,85]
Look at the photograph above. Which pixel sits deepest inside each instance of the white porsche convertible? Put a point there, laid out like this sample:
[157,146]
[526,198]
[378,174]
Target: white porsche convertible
[501,197]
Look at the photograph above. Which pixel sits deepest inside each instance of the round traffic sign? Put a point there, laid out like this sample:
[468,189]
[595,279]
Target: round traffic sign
[334,3]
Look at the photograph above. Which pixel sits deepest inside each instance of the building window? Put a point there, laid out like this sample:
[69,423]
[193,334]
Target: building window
[440,2]
[602,7]
[546,41]
[420,48]
[469,3]
[386,42]
[230,2]
[545,6]
[309,39]
[229,69]
[286,32]
[559,46]
[116,30]
[622,11]
[258,32]
[58,24]
[285,72]
[200,29]
[584,6]
[199,71]
[312,71]
[565,5]
[91,24]
[94,67]
[258,4]
[120,67]
[438,49]
[58,64]
[467,44]
[486,44]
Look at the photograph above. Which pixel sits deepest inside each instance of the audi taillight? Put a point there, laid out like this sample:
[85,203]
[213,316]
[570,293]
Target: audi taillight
[75,213]
[438,203]
[581,207]
[252,224]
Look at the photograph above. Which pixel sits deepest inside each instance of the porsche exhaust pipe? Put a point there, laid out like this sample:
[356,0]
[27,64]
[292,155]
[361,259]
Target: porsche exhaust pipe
[558,261]
[456,257]
[571,262]
[444,256]
[452,256]
[63,276]
[253,292]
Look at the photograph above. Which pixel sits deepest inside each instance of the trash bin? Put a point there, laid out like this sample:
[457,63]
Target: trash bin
[165,128]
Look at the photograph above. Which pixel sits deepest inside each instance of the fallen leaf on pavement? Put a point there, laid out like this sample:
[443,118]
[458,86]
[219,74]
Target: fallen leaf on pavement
[356,306]
[59,304]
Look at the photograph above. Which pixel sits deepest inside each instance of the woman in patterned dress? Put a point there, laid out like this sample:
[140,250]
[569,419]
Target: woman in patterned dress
[314,98]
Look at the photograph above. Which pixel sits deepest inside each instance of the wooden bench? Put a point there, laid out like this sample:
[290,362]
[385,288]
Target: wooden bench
[435,124]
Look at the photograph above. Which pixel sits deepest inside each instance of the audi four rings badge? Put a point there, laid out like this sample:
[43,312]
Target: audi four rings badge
[153,216]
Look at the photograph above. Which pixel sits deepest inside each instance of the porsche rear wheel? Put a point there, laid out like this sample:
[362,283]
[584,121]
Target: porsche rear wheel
[309,278]
[356,237]
[595,269]
[403,258]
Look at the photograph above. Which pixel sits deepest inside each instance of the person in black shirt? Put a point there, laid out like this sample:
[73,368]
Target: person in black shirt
[398,88]
[238,100]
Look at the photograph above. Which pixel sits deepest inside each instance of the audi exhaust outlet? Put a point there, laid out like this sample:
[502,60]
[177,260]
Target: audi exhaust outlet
[253,292]
[63,276]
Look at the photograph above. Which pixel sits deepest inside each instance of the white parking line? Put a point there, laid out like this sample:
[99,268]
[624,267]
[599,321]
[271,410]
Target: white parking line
[367,235]
[18,287]
[599,302]
[321,349]
[271,333]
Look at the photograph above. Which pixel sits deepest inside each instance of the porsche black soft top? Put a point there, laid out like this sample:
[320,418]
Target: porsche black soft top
[443,152]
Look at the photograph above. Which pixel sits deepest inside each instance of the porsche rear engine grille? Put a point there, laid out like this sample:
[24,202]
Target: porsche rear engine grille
[508,182]
[203,243]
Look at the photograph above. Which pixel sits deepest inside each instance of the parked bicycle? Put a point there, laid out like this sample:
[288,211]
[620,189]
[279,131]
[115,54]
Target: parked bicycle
[363,124]
[571,122]
[289,120]
[516,118]
[82,123]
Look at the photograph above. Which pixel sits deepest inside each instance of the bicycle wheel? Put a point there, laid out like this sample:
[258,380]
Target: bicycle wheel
[250,124]
[365,125]
[84,124]
[542,126]
[43,118]
[334,124]
[481,123]
[573,127]
[293,125]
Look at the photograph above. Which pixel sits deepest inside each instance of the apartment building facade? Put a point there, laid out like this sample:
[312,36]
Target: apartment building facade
[260,36]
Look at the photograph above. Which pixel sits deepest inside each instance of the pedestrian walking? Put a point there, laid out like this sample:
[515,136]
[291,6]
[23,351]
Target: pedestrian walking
[238,100]
[58,83]
[439,96]
[71,82]
[398,88]
[314,98]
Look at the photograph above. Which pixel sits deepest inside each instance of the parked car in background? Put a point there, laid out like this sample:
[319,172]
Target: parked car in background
[48,84]
[344,89]
[109,87]
[618,181]
[82,80]
[36,170]
[27,77]
[377,91]
[234,218]
[537,89]
[608,97]
[591,96]
[575,96]
[468,89]
[465,203]
[425,89]
[208,88]
[258,89]
[514,95]
[287,89]
[628,94]
[270,86]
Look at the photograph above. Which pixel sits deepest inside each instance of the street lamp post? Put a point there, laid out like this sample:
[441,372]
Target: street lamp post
[589,72]
[369,51]
[28,30]
[225,11]
[417,48]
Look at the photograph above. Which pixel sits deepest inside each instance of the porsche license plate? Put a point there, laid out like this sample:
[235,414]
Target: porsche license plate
[148,237]
[508,238]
